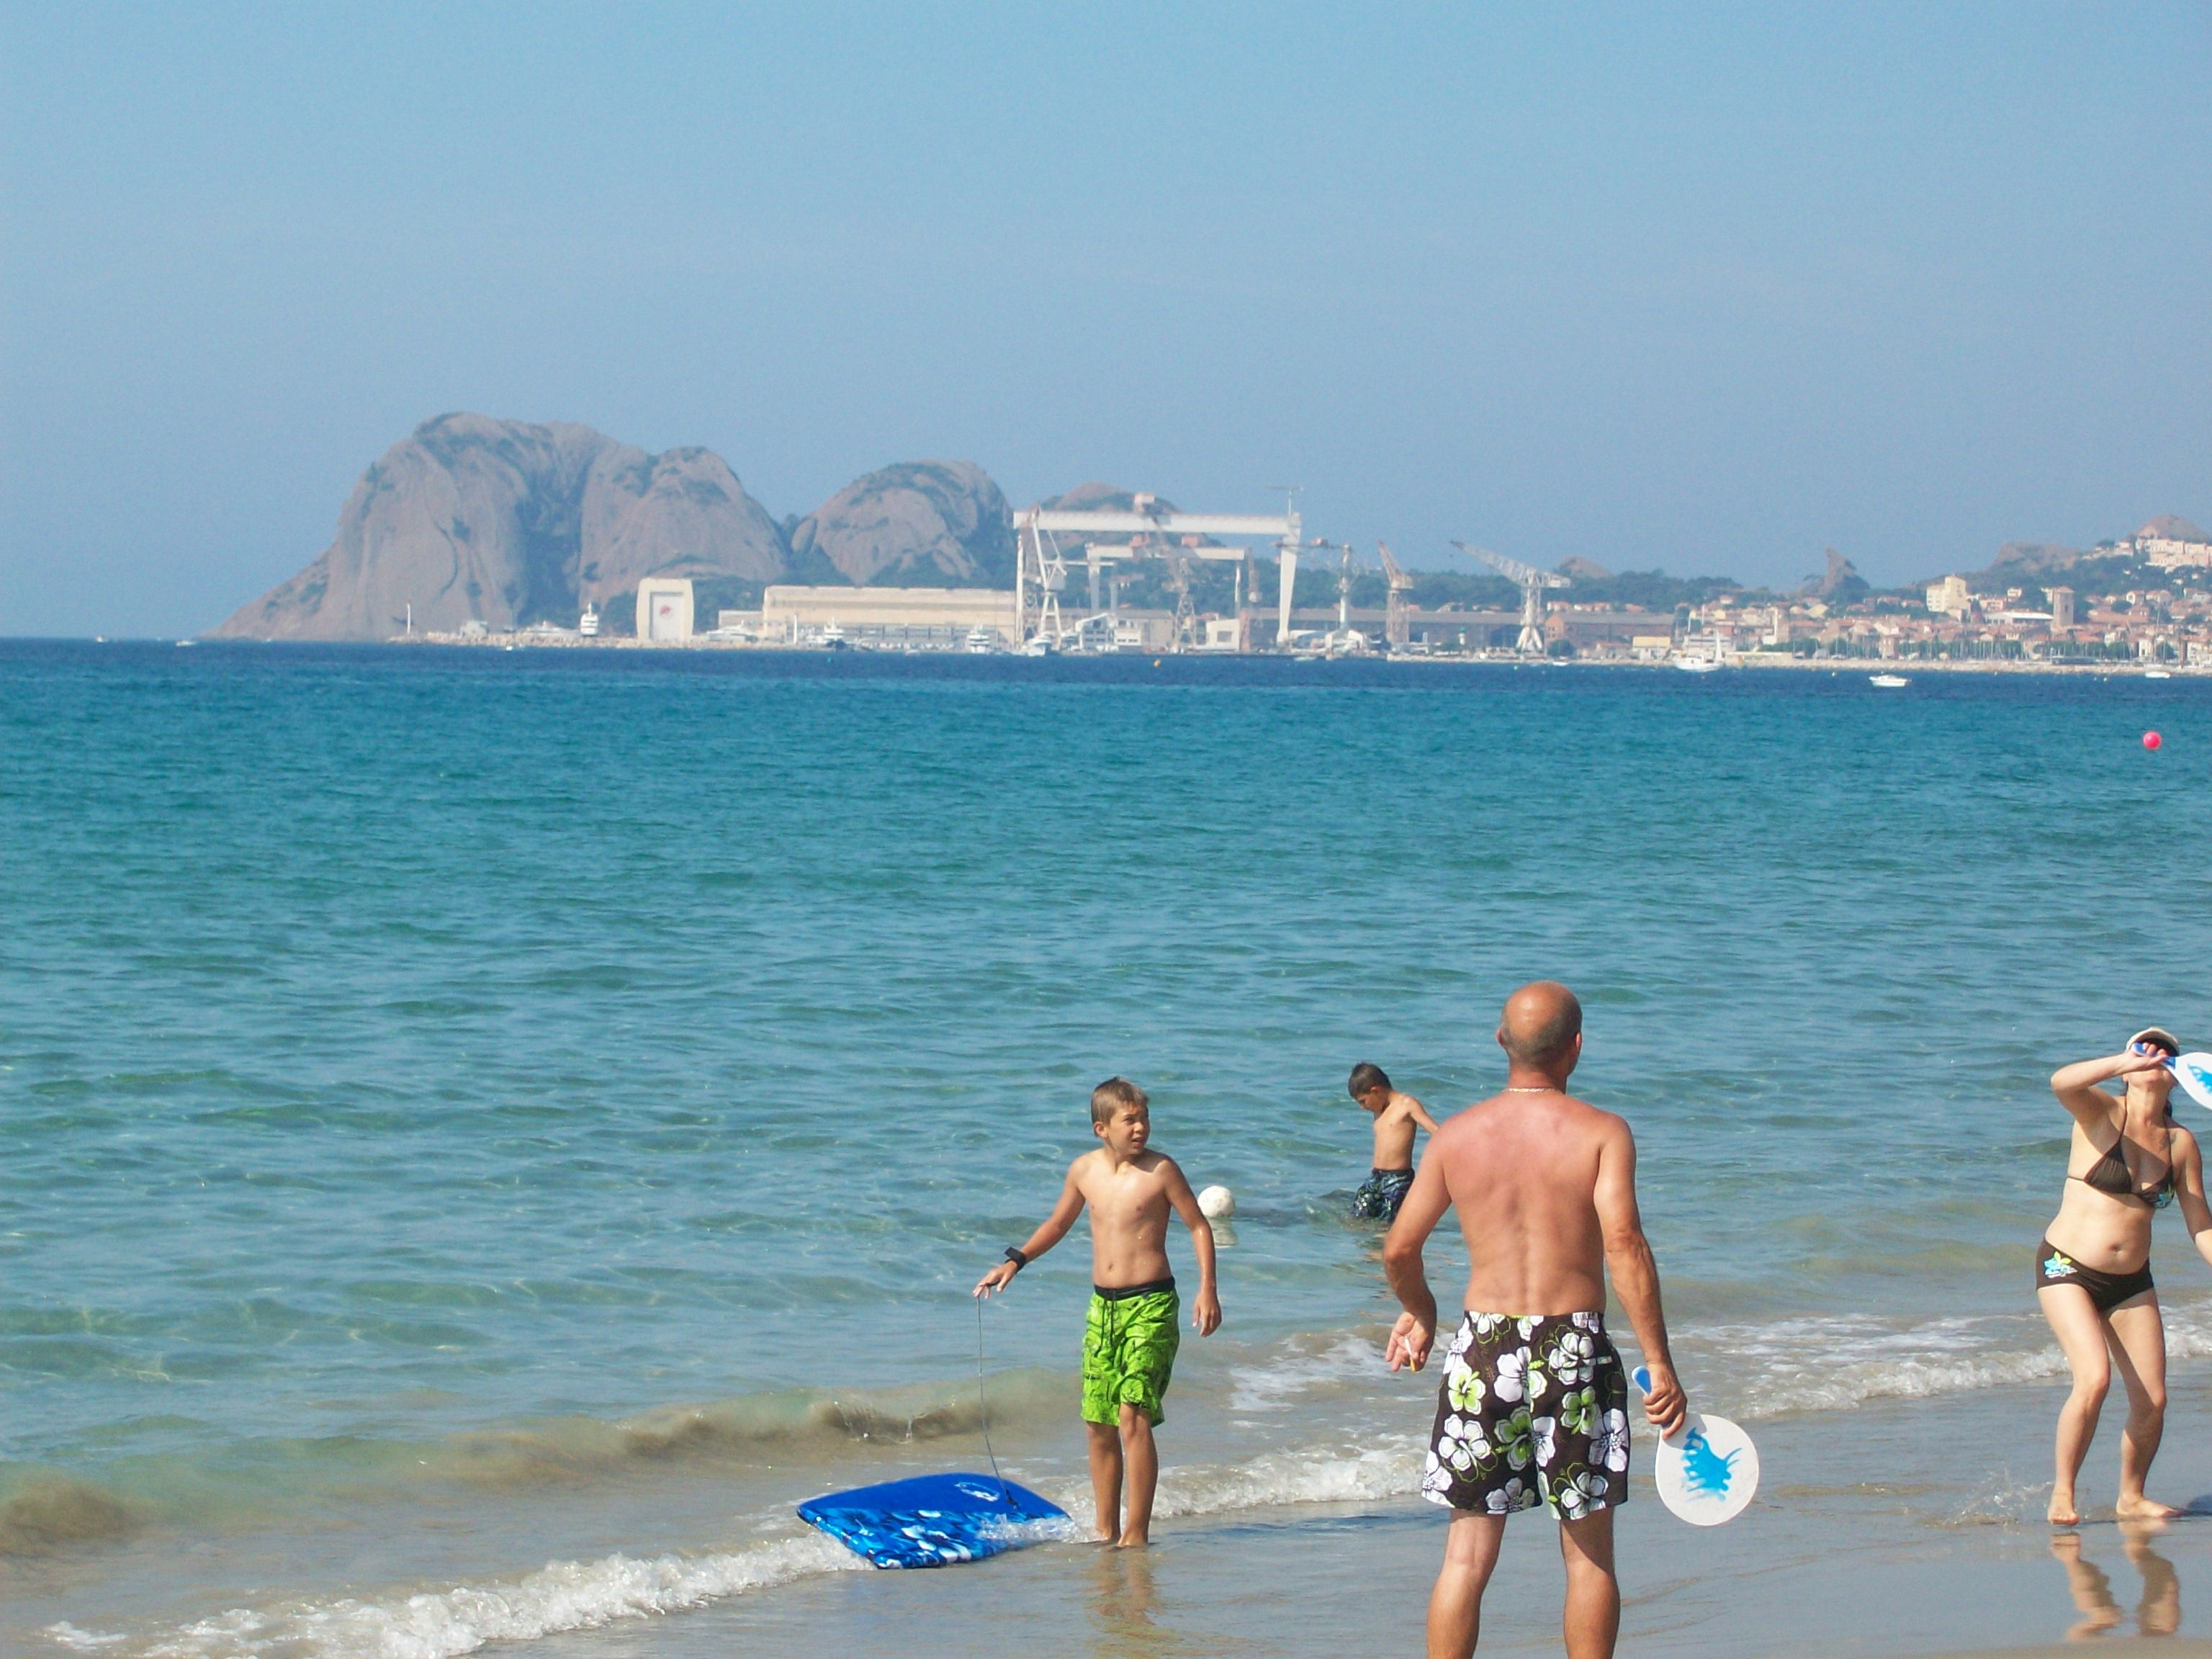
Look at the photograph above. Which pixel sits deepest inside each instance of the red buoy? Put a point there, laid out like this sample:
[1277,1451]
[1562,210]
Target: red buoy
[2151,740]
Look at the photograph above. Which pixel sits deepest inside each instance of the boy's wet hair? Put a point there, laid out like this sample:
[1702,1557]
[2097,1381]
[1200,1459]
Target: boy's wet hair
[1366,1078]
[1113,1092]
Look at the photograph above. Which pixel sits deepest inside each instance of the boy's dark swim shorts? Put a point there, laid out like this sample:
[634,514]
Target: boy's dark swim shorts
[1533,1410]
[1381,1193]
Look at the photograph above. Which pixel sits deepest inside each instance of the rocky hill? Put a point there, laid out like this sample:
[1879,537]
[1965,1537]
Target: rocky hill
[925,523]
[508,522]
[2167,527]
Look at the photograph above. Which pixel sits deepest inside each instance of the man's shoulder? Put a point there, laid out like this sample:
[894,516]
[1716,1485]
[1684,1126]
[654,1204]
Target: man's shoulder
[1576,1114]
[1599,1125]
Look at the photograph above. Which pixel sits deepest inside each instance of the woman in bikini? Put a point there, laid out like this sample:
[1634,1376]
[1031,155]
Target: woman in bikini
[2128,1160]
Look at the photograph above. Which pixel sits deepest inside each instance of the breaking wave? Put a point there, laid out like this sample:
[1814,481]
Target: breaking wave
[574,1595]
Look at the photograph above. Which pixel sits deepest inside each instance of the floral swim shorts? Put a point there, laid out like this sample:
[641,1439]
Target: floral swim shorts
[1534,1410]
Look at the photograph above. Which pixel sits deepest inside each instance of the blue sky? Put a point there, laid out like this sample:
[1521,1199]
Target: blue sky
[1706,288]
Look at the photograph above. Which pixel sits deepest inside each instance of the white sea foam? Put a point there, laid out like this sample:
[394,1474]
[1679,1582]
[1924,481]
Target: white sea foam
[570,1595]
[566,1596]
[1836,1362]
[83,1641]
[1390,1470]
[1276,1386]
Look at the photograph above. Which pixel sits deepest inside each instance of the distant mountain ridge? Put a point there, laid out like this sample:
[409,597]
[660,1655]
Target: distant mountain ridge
[511,522]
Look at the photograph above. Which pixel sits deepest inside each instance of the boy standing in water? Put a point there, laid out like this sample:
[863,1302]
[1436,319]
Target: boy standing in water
[1395,1116]
[1131,1334]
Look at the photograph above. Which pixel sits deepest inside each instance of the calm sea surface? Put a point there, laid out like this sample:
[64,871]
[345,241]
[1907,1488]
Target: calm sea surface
[465,1110]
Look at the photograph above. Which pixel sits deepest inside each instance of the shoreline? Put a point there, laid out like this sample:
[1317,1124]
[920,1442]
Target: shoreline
[1905,666]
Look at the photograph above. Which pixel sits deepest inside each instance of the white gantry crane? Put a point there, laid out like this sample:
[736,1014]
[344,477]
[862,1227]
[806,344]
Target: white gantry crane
[1397,627]
[1040,567]
[1532,582]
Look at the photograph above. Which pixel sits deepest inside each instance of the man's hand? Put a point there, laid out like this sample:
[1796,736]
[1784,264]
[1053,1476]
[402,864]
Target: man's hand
[997,1280]
[1409,1343]
[1206,1314]
[1666,1405]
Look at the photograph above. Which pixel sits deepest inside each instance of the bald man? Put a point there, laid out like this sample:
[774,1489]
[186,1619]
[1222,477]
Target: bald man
[1534,1406]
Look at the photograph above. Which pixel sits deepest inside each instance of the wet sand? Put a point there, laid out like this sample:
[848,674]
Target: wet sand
[1949,1556]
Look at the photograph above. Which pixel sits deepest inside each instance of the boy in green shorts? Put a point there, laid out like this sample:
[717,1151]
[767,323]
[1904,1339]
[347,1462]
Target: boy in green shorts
[1130,1336]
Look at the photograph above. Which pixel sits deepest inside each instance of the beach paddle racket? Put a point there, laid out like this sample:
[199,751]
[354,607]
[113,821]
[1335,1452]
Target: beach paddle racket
[2194,1074]
[1707,1471]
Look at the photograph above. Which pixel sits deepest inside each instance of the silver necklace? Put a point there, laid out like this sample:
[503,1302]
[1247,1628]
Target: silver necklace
[1530,1088]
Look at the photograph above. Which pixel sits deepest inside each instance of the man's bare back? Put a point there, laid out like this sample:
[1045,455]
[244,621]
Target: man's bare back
[1524,1170]
[1534,1406]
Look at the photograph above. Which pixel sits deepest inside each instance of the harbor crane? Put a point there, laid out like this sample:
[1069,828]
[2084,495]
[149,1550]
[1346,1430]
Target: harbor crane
[1397,628]
[1532,583]
[1040,568]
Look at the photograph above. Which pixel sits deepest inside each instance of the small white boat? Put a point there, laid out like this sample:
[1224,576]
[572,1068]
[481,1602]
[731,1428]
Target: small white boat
[1696,664]
[181,644]
[2148,673]
[1887,682]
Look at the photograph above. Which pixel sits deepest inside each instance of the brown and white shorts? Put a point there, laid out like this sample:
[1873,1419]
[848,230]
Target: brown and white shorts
[1533,1409]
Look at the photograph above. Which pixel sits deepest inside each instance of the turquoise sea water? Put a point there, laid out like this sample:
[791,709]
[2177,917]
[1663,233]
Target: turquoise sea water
[461,1110]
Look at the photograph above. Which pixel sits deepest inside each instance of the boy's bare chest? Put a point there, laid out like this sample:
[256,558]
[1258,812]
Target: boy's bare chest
[1126,1199]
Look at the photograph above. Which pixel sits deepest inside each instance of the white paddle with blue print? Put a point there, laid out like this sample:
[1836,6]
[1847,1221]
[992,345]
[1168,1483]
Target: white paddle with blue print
[1707,1471]
[2194,1074]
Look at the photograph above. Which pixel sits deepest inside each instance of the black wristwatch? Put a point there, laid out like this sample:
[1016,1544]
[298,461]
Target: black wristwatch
[1017,1257]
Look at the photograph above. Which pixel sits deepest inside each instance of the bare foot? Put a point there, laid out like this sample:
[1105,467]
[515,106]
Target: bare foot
[1134,1542]
[2144,1509]
[2062,1512]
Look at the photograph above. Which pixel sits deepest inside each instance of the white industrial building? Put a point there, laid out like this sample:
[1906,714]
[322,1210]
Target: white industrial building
[943,617]
[664,609]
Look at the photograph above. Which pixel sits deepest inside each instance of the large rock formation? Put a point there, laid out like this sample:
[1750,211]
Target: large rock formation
[928,523]
[2167,527]
[506,522]
[2033,558]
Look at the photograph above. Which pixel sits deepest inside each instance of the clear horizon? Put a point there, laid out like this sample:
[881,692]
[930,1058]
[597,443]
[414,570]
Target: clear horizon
[1710,290]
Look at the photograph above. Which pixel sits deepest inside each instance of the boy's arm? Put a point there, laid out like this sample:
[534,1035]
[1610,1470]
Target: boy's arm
[1206,1314]
[1418,1113]
[1049,1233]
[1426,1200]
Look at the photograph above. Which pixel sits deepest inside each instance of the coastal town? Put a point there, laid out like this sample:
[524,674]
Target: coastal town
[2145,600]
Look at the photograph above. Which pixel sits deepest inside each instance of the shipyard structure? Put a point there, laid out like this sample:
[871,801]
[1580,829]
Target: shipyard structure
[1072,566]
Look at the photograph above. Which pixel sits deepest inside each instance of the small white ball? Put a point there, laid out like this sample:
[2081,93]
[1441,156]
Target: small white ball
[1217,1203]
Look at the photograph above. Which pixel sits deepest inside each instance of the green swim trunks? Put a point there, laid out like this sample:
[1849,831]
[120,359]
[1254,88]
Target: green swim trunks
[1129,1342]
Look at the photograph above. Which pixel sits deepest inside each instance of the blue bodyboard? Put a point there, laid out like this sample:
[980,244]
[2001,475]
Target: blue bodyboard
[932,1520]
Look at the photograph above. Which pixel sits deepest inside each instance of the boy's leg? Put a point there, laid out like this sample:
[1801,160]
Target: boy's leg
[1106,1477]
[1592,1621]
[1141,1457]
[1456,1604]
